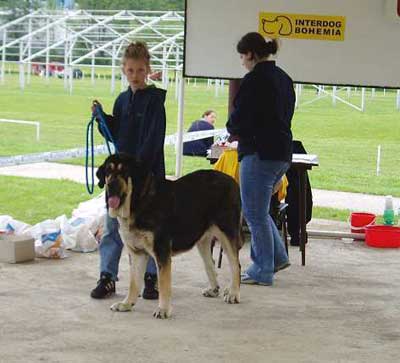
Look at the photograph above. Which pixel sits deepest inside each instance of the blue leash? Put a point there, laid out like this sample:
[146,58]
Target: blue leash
[98,113]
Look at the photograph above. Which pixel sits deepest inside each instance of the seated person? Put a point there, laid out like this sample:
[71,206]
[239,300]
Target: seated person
[200,147]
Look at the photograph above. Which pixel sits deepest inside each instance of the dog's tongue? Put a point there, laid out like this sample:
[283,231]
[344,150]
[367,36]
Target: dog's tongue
[113,202]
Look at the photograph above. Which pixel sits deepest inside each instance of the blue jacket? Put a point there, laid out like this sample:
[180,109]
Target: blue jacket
[198,147]
[138,126]
[263,110]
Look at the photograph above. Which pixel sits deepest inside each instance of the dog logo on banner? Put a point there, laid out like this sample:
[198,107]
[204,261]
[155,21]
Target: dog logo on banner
[280,25]
[302,26]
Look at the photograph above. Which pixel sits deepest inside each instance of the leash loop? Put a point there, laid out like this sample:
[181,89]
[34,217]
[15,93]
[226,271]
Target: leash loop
[97,116]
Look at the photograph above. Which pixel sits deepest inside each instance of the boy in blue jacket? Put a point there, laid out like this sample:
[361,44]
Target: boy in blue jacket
[137,126]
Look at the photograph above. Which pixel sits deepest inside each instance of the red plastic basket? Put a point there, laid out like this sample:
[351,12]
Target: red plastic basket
[382,236]
[358,221]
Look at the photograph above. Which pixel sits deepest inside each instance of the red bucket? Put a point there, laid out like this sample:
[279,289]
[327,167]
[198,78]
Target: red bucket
[382,236]
[358,221]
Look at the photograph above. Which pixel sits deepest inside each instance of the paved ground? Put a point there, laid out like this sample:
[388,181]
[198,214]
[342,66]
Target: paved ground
[322,198]
[343,306]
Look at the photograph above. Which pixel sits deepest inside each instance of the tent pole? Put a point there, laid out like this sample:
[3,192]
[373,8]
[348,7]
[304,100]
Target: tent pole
[179,139]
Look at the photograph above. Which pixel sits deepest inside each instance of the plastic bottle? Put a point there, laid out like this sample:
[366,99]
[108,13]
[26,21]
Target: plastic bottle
[388,214]
[398,216]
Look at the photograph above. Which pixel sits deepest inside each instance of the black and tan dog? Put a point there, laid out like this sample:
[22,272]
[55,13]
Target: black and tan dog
[161,218]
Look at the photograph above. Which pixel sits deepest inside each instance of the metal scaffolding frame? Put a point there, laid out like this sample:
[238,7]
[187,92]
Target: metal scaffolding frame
[90,38]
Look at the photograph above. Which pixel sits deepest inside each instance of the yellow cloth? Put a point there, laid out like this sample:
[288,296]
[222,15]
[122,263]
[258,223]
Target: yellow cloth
[228,163]
[282,188]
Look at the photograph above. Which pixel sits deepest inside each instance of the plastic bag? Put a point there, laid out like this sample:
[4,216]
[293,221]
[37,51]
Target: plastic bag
[48,239]
[8,225]
[80,234]
[51,246]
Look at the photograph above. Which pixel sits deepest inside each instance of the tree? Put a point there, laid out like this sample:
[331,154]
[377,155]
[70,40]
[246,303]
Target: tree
[19,7]
[131,4]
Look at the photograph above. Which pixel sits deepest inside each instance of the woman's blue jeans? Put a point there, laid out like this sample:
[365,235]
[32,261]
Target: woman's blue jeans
[111,247]
[257,180]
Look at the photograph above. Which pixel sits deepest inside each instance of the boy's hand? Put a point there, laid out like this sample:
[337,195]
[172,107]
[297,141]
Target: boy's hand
[96,104]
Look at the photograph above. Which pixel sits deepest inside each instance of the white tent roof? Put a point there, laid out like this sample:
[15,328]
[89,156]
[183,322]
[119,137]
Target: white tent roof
[78,36]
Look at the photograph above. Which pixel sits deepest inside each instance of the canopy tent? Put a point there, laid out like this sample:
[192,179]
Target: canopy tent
[92,38]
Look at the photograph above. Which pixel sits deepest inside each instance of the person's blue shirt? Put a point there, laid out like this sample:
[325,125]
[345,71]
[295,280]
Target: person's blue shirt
[198,147]
[138,126]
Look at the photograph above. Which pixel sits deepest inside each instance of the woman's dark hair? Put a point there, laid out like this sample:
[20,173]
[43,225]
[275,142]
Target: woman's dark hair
[255,43]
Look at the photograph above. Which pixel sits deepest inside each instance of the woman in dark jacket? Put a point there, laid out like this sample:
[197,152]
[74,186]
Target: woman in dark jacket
[261,121]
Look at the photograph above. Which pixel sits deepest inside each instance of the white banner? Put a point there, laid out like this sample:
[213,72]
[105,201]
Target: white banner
[338,42]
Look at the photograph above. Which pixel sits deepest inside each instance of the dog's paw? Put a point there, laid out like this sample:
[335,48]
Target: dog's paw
[210,292]
[160,313]
[121,306]
[231,297]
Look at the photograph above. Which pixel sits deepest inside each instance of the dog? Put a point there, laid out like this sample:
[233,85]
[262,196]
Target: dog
[162,218]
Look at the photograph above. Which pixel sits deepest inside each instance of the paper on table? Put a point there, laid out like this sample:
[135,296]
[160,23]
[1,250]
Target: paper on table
[305,158]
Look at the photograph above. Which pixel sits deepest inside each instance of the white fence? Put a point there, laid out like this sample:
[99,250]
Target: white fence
[33,123]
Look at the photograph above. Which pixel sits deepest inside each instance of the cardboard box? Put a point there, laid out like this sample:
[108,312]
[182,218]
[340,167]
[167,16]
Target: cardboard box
[14,249]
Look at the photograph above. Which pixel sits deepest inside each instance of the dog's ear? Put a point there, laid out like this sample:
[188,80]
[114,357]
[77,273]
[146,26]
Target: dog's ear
[101,175]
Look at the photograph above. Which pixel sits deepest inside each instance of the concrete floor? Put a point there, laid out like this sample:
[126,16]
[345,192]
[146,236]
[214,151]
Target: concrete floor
[343,306]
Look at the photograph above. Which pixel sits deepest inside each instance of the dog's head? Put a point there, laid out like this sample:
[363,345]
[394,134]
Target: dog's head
[120,174]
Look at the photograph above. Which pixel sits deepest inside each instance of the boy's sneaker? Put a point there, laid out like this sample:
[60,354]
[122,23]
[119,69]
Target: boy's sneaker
[105,287]
[150,291]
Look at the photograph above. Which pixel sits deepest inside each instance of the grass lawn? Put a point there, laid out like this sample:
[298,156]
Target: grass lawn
[345,140]
[34,200]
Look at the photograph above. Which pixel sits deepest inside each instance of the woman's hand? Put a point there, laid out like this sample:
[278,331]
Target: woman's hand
[233,138]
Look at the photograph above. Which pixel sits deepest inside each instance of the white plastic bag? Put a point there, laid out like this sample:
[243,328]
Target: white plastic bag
[79,234]
[48,239]
[9,225]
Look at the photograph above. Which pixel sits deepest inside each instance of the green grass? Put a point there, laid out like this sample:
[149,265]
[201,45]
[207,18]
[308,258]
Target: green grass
[345,140]
[34,200]
[330,213]
[189,163]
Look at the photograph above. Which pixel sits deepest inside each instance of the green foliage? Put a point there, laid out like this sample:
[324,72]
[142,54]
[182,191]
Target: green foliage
[19,7]
[131,4]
